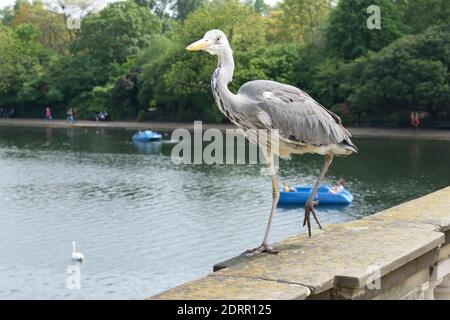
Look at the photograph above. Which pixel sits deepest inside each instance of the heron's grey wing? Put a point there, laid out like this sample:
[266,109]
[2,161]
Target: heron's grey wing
[297,116]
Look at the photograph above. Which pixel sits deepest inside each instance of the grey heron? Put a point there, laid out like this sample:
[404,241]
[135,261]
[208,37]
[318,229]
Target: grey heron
[300,124]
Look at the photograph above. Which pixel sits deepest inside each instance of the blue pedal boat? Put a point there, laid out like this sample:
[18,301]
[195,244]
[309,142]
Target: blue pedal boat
[146,136]
[324,195]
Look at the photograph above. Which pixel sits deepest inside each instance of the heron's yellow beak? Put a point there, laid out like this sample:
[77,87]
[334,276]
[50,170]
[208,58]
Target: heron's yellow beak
[201,44]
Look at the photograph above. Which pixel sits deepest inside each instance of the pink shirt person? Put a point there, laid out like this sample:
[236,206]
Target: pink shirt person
[48,114]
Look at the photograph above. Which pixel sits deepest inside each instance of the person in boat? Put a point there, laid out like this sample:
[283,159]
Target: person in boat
[286,187]
[339,187]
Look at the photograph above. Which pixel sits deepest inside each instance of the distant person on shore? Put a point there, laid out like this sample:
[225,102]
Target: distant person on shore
[48,114]
[286,187]
[101,116]
[70,115]
[8,113]
[74,114]
[415,120]
[339,187]
[5,113]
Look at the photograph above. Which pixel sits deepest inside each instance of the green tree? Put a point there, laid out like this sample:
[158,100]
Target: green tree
[156,60]
[117,32]
[51,27]
[347,34]
[260,6]
[70,82]
[6,15]
[183,8]
[67,9]
[124,102]
[98,75]
[276,62]
[23,63]
[410,74]
[421,14]
[9,55]
[301,19]
[145,3]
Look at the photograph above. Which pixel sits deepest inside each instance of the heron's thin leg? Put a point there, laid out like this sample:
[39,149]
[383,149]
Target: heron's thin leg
[309,206]
[275,198]
[265,247]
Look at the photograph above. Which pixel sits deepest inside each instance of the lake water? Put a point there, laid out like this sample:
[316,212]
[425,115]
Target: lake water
[145,224]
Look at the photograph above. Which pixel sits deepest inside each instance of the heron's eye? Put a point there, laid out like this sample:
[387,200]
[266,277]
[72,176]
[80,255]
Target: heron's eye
[218,39]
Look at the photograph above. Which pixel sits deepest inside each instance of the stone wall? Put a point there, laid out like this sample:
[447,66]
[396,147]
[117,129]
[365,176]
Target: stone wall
[400,253]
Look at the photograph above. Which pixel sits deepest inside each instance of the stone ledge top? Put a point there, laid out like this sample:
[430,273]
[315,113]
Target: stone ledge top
[351,251]
[216,287]
[433,208]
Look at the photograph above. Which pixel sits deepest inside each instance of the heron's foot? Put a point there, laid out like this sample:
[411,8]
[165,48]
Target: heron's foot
[262,248]
[309,209]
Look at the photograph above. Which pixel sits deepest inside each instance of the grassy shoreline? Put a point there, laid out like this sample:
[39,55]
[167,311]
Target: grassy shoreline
[356,132]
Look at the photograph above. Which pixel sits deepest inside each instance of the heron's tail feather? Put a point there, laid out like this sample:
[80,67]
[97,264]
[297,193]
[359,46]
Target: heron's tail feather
[349,145]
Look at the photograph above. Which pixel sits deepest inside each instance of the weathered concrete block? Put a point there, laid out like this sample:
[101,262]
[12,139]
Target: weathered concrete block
[225,287]
[444,252]
[440,269]
[442,292]
[393,285]
[407,289]
[434,209]
[348,250]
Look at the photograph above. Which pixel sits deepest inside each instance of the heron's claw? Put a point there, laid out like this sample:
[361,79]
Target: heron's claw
[262,248]
[309,208]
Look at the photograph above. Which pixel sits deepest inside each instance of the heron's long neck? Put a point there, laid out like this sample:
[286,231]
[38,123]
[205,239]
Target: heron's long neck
[220,80]
[225,68]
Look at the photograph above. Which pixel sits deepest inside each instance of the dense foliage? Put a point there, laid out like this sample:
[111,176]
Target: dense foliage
[129,57]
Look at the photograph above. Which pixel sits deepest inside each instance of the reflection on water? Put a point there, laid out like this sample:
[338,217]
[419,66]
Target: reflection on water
[145,224]
[148,147]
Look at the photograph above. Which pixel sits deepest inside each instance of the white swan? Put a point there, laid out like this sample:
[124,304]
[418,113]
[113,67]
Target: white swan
[76,256]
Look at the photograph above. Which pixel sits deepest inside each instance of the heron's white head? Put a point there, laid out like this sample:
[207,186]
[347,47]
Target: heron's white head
[214,41]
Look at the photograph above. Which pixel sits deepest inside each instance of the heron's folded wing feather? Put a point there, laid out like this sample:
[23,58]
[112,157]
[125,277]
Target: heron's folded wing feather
[295,114]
